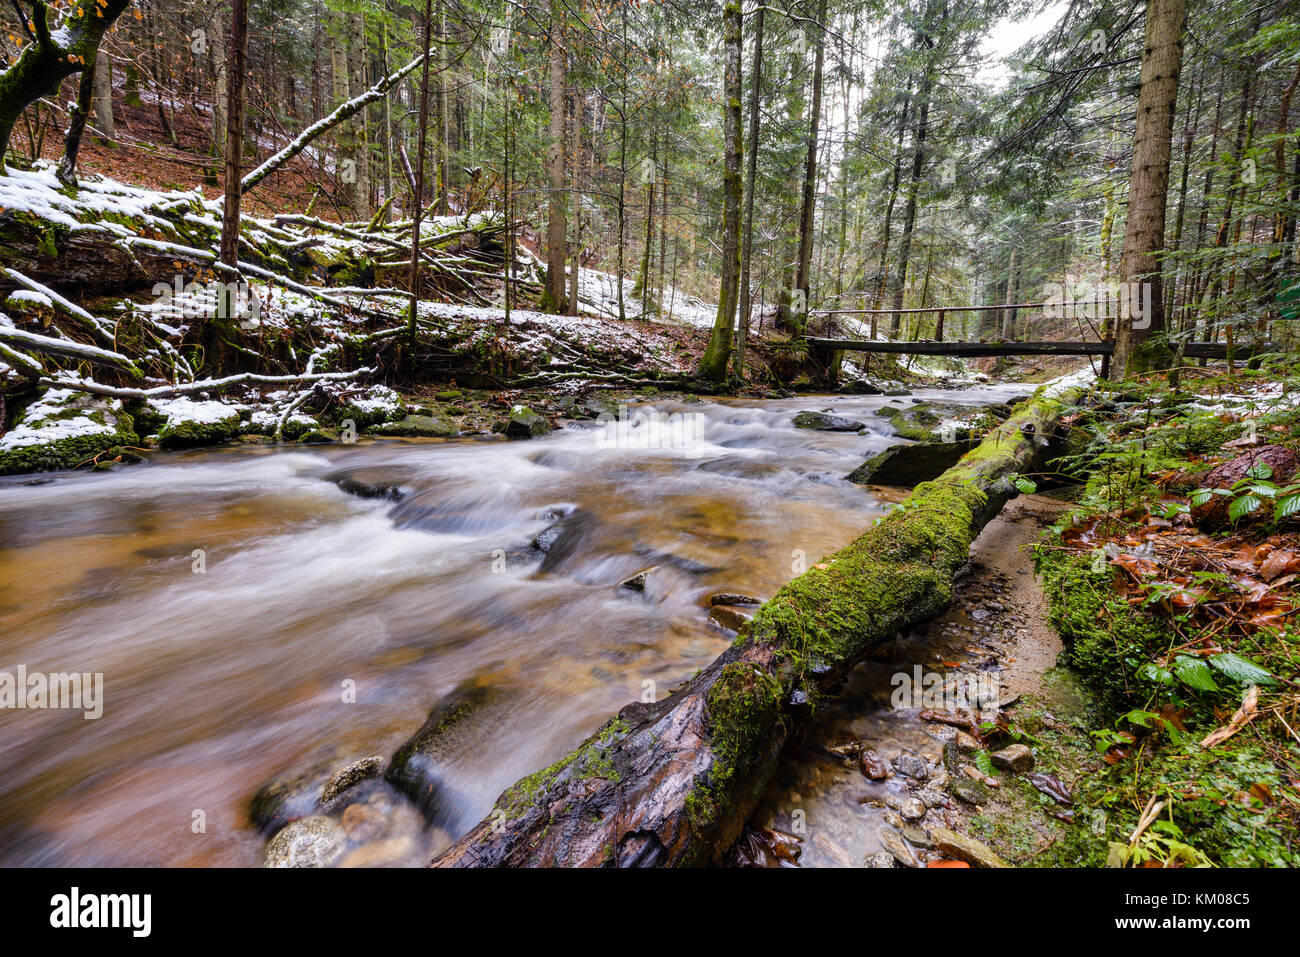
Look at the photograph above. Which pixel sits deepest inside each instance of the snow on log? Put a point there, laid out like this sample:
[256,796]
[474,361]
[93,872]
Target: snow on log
[69,350]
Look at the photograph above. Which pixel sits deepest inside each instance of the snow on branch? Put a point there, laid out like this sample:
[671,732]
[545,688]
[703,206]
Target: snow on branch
[344,110]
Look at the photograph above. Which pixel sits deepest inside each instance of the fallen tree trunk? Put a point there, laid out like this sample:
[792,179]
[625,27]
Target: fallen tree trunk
[671,783]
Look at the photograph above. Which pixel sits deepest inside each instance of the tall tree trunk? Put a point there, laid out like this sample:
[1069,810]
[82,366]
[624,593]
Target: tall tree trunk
[105,128]
[882,270]
[751,178]
[557,227]
[222,324]
[898,281]
[803,276]
[81,109]
[1009,313]
[1138,344]
[713,365]
[417,197]
[360,146]
[575,257]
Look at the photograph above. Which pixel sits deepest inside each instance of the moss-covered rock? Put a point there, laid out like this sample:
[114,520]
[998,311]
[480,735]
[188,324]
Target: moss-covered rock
[376,405]
[62,430]
[190,423]
[418,426]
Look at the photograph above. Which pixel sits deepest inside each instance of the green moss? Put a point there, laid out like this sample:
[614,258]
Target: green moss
[184,435]
[73,451]
[1105,637]
[590,760]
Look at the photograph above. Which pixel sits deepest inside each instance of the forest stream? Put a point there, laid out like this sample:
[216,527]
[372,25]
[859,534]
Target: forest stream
[233,599]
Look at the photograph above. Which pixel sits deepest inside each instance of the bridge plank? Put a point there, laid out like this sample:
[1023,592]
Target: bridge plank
[1192,350]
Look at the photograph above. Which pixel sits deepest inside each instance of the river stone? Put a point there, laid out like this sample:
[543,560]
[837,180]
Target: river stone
[965,848]
[288,797]
[910,766]
[523,423]
[311,842]
[972,792]
[638,581]
[823,422]
[932,798]
[731,617]
[896,846]
[377,482]
[918,837]
[1014,757]
[912,810]
[879,859]
[733,598]
[354,773]
[418,769]
[419,427]
[873,764]
[909,465]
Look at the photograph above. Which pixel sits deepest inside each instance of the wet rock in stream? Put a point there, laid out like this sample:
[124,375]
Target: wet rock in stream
[909,465]
[419,767]
[825,422]
[311,842]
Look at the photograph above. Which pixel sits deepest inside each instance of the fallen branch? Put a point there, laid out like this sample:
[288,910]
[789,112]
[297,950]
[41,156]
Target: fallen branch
[90,323]
[206,385]
[323,125]
[70,350]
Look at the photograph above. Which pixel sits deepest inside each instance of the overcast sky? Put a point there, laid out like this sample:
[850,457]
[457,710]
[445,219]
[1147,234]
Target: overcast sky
[1011,34]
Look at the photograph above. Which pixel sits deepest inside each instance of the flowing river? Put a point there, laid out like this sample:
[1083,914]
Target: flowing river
[250,617]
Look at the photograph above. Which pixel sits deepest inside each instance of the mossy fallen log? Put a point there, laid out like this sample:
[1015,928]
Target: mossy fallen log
[671,783]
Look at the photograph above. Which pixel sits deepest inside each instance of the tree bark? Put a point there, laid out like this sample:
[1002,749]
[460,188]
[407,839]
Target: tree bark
[105,129]
[713,364]
[556,228]
[1139,345]
[803,274]
[671,783]
[751,178]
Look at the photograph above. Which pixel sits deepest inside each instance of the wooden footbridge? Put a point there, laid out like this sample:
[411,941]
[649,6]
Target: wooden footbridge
[1001,346]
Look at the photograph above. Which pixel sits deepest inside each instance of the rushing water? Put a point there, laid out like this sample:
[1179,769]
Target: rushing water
[231,598]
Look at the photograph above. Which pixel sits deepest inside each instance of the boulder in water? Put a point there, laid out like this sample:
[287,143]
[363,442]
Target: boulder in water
[418,426]
[861,387]
[909,465]
[824,422]
[418,769]
[638,581]
[316,841]
[350,775]
[523,423]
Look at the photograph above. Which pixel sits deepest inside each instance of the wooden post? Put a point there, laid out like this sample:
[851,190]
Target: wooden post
[938,327]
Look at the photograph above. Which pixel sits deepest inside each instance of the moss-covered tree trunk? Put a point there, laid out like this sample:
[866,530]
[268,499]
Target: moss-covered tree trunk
[44,63]
[671,783]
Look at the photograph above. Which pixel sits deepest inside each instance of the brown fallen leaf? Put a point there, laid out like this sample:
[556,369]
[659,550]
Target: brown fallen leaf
[1242,717]
[1052,786]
